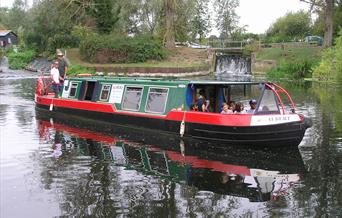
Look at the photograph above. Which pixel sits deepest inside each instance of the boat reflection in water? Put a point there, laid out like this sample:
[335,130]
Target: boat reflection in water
[259,175]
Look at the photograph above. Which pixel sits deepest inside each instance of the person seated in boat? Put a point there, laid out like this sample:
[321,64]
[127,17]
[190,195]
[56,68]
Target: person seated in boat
[202,103]
[239,108]
[193,107]
[252,104]
[225,109]
[54,74]
[231,106]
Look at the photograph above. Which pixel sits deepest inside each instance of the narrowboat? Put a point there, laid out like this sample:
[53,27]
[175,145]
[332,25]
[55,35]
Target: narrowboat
[164,105]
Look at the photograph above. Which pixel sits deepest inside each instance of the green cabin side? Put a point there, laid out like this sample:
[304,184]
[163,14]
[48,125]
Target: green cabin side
[142,95]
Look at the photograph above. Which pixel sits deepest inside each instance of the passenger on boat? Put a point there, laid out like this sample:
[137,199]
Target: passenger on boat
[232,106]
[239,108]
[54,73]
[202,103]
[225,109]
[252,104]
[193,107]
[62,66]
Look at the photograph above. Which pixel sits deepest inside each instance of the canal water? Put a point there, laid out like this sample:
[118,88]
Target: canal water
[62,166]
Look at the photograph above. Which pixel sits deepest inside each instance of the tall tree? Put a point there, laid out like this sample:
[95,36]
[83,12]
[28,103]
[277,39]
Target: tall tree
[105,15]
[151,11]
[227,19]
[327,6]
[16,16]
[292,25]
[170,12]
[200,19]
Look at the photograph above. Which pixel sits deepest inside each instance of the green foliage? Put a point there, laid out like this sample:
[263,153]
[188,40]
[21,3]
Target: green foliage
[324,71]
[2,53]
[51,26]
[289,54]
[252,47]
[105,15]
[293,26]
[227,19]
[82,32]
[330,66]
[292,70]
[201,20]
[73,70]
[19,58]
[118,49]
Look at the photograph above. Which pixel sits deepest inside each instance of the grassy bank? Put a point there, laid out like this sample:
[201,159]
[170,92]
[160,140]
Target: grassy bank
[291,63]
[289,54]
[178,57]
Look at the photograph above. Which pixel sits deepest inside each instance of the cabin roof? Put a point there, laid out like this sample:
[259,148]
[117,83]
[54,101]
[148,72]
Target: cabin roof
[215,82]
[164,81]
[138,80]
[5,32]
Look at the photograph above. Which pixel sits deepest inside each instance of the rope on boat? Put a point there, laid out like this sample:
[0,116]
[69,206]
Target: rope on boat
[51,105]
[182,126]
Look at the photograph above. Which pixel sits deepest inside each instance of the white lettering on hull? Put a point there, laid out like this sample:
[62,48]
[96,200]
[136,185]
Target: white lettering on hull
[261,120]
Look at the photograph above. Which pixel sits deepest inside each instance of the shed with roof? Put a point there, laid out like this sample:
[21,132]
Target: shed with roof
[8,38]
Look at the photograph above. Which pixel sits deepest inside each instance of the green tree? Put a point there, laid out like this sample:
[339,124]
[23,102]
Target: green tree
[319,25]
[3,17]
[50,26]
[184,14]
[14,18]
[105,15]
[330,67]
[170,13]
[200,19]
[227,19]
[290,27]
[151,13]
[325,8]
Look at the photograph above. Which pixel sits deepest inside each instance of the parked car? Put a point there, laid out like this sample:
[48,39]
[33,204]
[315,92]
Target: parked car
[314,40]
[195,45]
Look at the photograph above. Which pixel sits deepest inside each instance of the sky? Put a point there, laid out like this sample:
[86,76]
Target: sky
[258,15]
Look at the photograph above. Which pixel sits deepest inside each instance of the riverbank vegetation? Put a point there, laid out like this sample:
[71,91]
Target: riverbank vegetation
[19,57]
[330,66]
[118,49]
[291,62]
[144,33]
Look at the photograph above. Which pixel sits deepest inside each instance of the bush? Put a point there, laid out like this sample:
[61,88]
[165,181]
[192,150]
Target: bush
[61,40]
[119,49]
[77,69]
[19,58]
[292,70]
[330,66]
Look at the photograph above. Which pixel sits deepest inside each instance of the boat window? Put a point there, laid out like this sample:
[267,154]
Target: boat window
[268,103]
[105,92]
[89,90]
[156,100]
[132,98]
[73,89]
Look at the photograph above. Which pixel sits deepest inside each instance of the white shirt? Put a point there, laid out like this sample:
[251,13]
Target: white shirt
[250,111]
[55,75]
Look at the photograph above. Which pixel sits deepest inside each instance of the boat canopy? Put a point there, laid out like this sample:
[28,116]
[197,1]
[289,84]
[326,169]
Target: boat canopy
[221,83]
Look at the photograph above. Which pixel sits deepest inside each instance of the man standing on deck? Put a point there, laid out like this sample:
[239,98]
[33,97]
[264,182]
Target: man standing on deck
[62,66]
[54,74]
